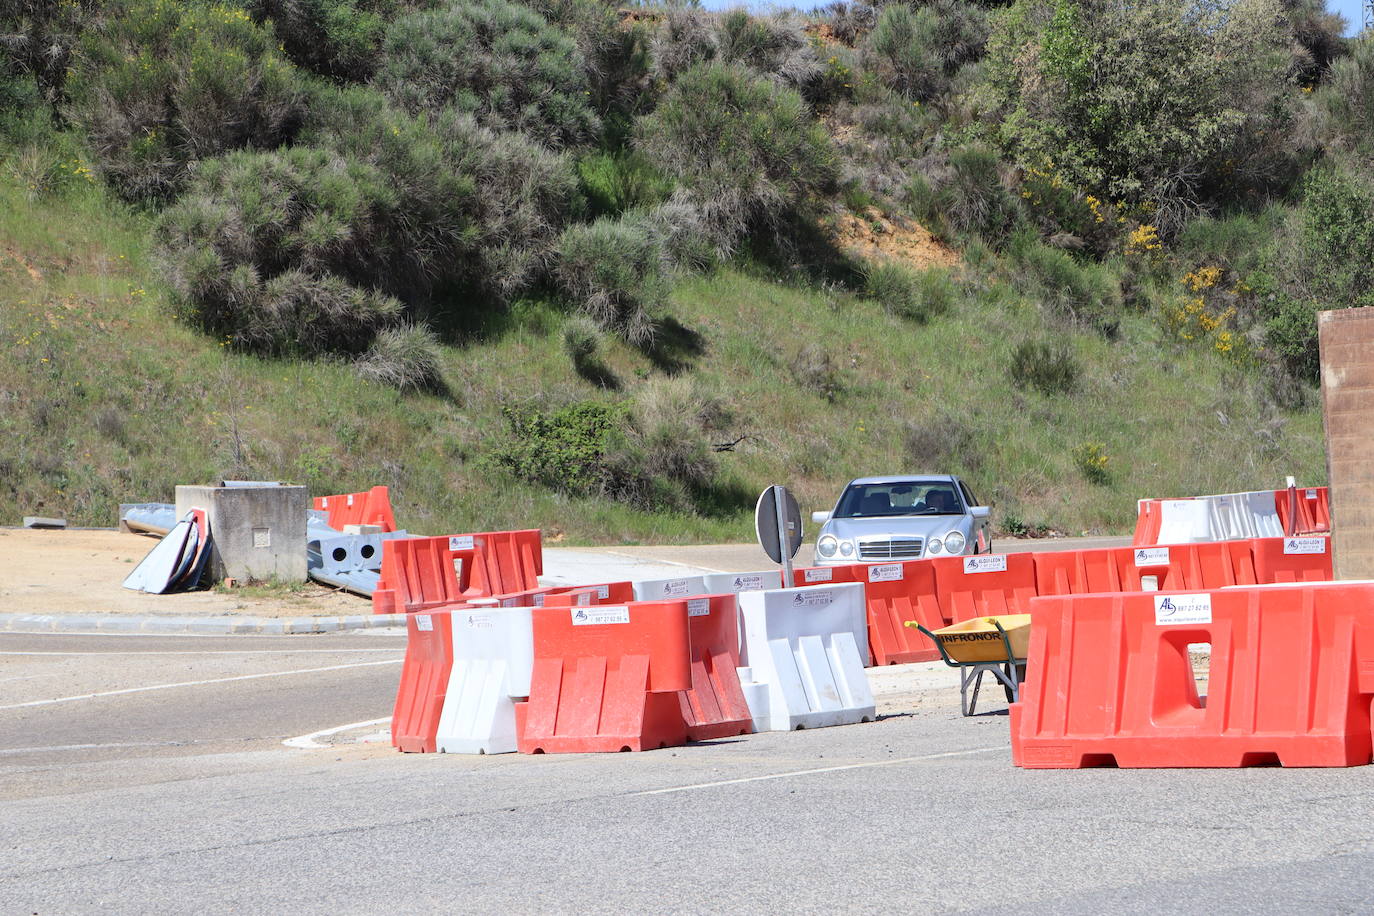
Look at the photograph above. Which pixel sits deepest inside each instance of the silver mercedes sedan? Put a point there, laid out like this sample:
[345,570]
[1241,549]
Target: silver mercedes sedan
[902,518]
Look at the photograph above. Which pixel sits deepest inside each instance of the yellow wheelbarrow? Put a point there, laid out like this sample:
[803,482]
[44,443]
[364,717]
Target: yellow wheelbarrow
[983,645]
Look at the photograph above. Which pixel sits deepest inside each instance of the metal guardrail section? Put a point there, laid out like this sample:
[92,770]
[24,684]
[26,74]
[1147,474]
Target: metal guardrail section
[349,561]
[362,582]
[148,518]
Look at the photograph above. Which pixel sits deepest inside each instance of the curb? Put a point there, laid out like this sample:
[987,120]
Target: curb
[266,626]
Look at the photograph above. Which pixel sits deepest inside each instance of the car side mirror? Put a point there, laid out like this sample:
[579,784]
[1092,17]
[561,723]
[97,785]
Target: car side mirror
[979,511]
[820,518]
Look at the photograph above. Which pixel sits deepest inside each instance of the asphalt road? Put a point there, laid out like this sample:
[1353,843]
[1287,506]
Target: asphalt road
[188,802]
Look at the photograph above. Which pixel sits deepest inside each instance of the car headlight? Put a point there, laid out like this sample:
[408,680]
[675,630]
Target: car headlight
[954,542]
[934,545]
[846,548]
[827,546]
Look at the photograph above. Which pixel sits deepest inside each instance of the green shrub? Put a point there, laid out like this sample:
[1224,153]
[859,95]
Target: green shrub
[615,56]
[1093,462]
[944,441]
[916,295]
[286,252]
[773,44]
[850,21]
[582,340]
[746,149]
[406,357]
[1156,103]
[684,38]
[1347,98]
[339,39]
[972,196]
[566,449]
[497,60]
[682,232]
[814,369]
[669,423]
[55,164]
[1290,333]
[916,51]
[903,51]
[651,452]
[1047,367]
[483,210]
[613,271]
[616,182]
[1085,294]
[1070,218]
[164,84]
[1336,238]
[38,39]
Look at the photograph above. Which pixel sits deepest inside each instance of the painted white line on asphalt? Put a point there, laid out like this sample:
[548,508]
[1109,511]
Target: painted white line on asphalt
[214,652]
[23,677]
[791,773]
[309,743]
[217,680]
[87,747]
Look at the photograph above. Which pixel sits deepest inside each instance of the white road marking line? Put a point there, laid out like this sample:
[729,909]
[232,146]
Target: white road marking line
[849,766]
[212,652]
[218,680]
[88,747]
[308,741]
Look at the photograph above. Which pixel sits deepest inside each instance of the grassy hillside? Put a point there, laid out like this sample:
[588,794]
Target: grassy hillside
[108,398]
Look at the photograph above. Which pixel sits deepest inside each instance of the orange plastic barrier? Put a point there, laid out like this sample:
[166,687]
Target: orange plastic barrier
[1076,572]
[1304,510]
[606,678]
[1171,567]
[1149,515]
[1112,683]
[591,595]
[1297,559]
[417,574]
[424,682]
[984,586]
[500,562]
[421,573]
[715,706]
[370,508]
[893,593]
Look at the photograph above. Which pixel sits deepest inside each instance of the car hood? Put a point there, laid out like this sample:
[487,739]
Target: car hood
[922,526]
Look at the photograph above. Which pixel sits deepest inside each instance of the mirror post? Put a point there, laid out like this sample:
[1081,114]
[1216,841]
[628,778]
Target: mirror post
[784,547]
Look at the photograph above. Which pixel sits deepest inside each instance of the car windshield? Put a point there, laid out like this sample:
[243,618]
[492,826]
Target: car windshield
[866,500]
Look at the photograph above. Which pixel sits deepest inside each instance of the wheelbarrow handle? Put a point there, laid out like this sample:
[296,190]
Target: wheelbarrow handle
[939,644]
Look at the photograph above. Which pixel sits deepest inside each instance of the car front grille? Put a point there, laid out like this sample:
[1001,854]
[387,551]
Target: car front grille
[895,549]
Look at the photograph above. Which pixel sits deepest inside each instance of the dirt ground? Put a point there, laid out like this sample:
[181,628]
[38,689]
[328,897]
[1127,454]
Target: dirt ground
[877,237]
[79,572]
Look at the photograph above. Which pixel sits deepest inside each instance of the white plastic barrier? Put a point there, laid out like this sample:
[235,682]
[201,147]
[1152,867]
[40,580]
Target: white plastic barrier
[1184,521]
[493,657]
[727,583]
[1245,515]
[805,667]
[668,589]
[1224,517]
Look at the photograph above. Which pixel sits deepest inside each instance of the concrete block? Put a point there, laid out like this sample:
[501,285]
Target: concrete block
[362,529]
[255,532]
[38,521]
